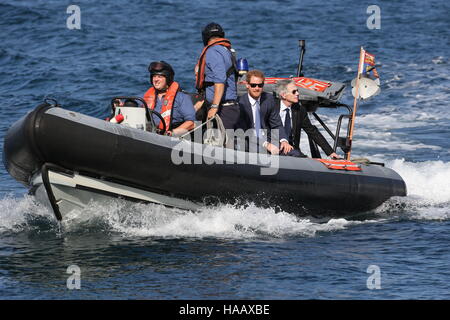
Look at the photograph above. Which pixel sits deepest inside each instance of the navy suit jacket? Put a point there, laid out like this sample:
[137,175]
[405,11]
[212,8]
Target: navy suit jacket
[270,117]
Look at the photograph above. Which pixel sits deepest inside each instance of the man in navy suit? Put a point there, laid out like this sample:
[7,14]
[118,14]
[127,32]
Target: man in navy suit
[258,112]
[295,117]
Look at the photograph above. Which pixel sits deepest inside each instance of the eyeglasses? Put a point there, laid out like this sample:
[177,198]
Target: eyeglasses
[254,85]
[295,91]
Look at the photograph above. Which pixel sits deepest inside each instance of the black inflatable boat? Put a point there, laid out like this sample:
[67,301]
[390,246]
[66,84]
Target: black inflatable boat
[69,159]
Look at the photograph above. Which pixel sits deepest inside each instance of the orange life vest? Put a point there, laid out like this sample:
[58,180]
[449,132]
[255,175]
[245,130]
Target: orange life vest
[167,103]
[200,67]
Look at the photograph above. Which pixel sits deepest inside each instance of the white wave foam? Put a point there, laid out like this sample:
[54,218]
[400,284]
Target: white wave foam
[433,213]
[439,60]
[428,181]
[397,119]
[374,132]
[396,77]
[402,85]
[224,221]
[394,144]
[17,214]
[151,220]
[428,187]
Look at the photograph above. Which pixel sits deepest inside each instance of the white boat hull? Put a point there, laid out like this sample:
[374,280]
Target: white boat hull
[75,192]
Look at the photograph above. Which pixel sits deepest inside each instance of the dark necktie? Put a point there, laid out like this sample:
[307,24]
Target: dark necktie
[287,124]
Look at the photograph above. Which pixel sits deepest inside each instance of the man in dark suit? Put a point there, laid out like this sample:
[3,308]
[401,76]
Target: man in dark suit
[295,117]
[258,112]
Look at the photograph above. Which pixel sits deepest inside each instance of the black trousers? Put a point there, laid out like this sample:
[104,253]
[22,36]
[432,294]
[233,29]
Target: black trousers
[230,115]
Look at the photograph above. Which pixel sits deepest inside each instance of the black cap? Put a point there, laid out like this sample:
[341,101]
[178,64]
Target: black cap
[162,68]
[212,30]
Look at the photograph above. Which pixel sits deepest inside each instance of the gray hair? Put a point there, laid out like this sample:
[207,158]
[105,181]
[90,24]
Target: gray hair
[281,87]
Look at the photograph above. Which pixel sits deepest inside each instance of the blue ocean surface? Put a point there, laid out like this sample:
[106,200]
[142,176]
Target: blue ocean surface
[397,251]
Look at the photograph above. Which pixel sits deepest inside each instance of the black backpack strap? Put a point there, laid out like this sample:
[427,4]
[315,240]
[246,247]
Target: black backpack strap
[233,69]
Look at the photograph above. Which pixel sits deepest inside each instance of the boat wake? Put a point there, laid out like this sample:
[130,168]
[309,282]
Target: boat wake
[428,185]
[151,220]
[428,199]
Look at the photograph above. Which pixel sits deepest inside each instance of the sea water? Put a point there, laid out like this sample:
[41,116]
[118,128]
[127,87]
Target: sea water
[397,251]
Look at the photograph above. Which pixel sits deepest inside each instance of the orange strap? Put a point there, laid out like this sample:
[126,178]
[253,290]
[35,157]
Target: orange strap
[340,165]
[167,103]
[201,63]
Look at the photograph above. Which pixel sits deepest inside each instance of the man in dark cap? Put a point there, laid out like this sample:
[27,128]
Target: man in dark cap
[216,76]
[166,98]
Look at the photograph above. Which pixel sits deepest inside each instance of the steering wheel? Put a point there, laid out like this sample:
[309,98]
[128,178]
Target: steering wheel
[148,114]
[154,127]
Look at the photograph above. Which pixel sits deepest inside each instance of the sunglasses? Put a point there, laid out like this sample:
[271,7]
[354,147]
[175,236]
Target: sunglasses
[294,91]
[254,85]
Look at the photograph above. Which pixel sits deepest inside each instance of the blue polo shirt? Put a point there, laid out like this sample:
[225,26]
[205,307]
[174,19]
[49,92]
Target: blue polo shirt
[218,61]
[182,110]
